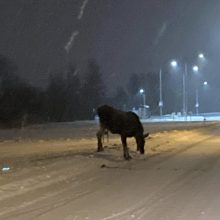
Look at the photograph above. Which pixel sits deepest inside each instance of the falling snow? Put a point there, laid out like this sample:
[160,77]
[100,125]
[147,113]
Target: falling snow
[72,38]
[82,8]
[71,41]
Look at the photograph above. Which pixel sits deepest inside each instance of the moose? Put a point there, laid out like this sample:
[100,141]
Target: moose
[126,124]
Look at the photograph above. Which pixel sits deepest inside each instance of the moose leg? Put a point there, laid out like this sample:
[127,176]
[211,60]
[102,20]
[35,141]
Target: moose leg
[105,134]
[125,148]
[137,142]
[99,136]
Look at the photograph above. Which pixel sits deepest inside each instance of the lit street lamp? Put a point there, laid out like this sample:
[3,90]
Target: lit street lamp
[142,92]
[201,56]
[195,68]
[174,64]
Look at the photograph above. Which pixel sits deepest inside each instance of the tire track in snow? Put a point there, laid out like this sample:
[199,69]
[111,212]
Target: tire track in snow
[57,183]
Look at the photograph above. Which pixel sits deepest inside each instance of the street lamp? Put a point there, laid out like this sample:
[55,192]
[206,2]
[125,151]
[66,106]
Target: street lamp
[142,92]
[173,63]
[201,56]
[195,68]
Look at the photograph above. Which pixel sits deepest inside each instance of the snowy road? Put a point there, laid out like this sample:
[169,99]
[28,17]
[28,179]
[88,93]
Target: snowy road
[178,178]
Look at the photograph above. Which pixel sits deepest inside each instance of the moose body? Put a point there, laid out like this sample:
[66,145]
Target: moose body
[126,124]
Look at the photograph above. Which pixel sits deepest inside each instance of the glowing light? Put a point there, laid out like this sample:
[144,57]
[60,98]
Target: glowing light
[173,63]
[201,56]
[141,91]
[195,68]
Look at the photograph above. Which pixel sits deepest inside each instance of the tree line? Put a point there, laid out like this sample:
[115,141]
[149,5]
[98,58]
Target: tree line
[70,97]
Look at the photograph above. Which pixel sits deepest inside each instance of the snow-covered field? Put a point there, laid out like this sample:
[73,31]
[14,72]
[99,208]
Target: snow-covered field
[56,173]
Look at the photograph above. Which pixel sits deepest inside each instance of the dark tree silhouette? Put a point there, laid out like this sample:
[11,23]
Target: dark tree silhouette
[120,99]
[17,98]
[134,84]
[93,90]
[55,96]
[72,95]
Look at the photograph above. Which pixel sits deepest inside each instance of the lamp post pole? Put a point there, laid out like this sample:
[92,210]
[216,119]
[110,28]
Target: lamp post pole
[161,97]
[144,104]
[205,83]
[197,102]
[142,92]
[185,73]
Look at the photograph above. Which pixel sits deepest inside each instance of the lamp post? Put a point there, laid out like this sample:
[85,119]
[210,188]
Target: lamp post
[185,73]
[161,98]
[205,83]
[160,104]
[197,102]
[142,92]
[195,69]
[174,64]
[201,60]
[201,56]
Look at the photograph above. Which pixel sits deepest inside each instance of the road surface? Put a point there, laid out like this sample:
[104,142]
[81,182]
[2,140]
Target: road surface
[178,178]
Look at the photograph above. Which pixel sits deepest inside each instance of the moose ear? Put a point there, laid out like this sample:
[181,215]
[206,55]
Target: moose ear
[146,135]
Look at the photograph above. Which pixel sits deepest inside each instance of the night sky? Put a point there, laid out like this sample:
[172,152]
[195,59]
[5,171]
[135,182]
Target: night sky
[124,36]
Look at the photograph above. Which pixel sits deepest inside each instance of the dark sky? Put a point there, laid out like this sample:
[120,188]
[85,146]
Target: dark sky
[124,36]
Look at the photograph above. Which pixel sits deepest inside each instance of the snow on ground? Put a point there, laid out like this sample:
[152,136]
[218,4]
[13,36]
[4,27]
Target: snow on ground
[49,140]
[56,173]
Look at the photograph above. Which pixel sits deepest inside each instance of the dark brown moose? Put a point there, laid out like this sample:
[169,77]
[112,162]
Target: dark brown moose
[126,124]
